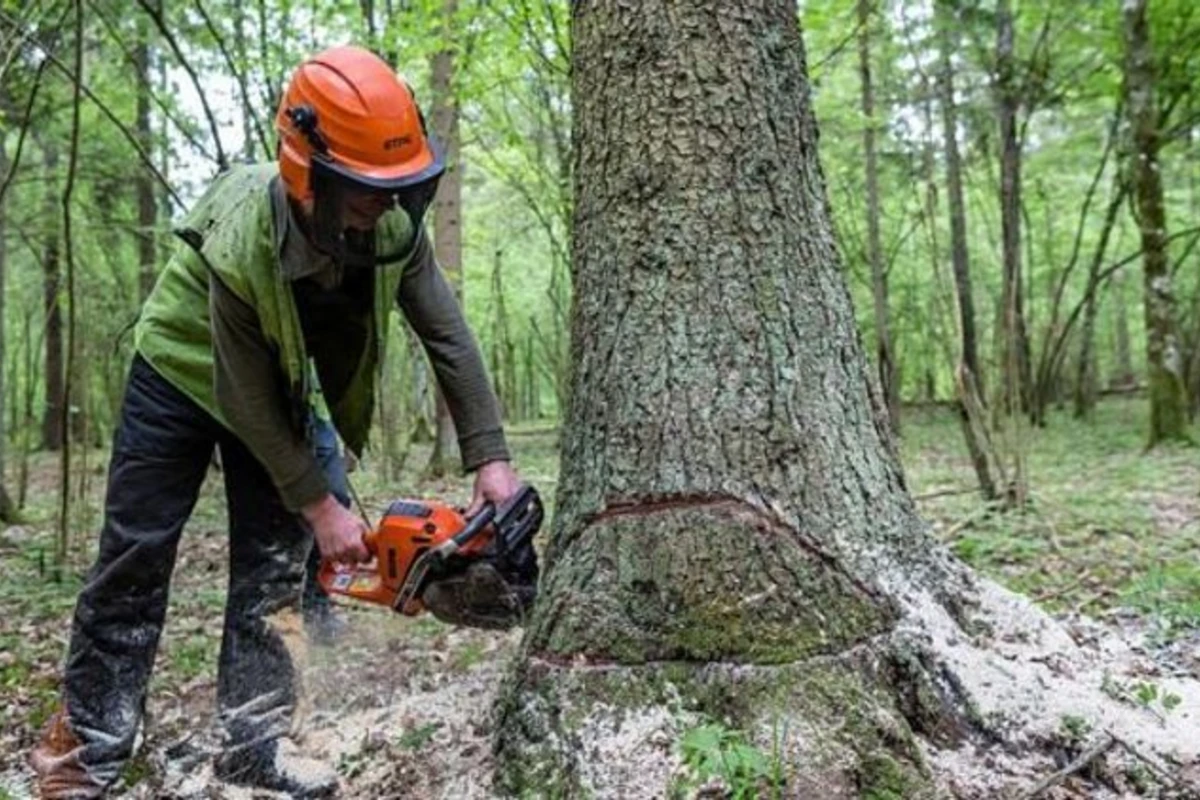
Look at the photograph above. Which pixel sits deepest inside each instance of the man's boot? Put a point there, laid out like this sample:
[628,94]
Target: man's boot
[61,775]
[276,765]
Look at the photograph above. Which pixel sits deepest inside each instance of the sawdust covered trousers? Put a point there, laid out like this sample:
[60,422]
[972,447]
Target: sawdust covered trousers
[161,453]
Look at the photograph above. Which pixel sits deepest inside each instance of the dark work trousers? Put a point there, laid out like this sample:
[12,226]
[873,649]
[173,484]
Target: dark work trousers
[161,452]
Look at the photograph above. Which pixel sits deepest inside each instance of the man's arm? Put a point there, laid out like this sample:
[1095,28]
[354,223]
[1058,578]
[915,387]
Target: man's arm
[252,399]
[434,313]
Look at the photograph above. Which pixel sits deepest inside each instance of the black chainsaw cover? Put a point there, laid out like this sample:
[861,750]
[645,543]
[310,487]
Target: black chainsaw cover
[496,589]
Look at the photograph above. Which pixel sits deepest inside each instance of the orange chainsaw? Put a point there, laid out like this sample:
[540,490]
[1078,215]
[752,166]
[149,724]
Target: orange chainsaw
[419,543]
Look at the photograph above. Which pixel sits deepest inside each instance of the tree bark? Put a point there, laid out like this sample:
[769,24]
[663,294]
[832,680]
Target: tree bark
[969,384]
[64,470]
[147,202]
[732,538]
[1122,350]
[1012,318]
[1085,377]
[1164,362]
[879,279]
[1013,346]
[726,521]
[7,510]
[447,205]
[947,45]
[52,430]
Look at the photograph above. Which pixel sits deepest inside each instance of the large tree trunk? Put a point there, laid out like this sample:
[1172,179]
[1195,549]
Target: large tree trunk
[447,240]
[1164,362]
[52,430]
[733,539]
[879,279]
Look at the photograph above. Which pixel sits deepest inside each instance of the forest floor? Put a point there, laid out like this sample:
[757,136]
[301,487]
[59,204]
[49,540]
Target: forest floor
[400,705]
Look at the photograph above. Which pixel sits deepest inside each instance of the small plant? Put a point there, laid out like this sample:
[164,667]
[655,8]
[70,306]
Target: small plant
[470,655]
[1148,693]
[714,751]
[416,738]
[1075,729]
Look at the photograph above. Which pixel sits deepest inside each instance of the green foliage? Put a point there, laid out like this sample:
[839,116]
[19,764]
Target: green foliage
[1075,729]
[418,737]
[1108,524]
[714,751]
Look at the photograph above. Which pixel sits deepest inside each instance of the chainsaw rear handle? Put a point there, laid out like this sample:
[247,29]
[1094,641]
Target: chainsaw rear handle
[476,524]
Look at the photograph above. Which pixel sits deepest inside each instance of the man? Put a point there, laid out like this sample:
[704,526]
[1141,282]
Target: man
[284,283]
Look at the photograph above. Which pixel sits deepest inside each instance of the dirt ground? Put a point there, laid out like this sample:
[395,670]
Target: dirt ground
[402,706]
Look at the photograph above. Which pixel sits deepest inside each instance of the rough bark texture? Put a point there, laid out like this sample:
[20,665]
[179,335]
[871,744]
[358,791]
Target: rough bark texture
[885,358]
[733,539]
[447,209]
[1164,362]
[731,513]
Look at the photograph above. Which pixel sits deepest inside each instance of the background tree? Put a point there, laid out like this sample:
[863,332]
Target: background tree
[1168,408]
[879,282]
[447,208]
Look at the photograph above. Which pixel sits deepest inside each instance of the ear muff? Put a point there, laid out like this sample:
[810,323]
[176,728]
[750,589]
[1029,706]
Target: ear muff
[305,120]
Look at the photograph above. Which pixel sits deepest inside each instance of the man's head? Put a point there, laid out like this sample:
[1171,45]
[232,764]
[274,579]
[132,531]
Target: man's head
[353,146]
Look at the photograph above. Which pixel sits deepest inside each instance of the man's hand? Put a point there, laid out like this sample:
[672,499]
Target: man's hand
[338,532]
[495,482]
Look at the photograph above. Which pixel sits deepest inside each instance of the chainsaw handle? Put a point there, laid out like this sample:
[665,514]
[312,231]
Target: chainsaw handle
[371,541]
[476,524]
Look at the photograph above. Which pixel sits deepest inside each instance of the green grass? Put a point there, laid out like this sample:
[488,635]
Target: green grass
[1108,525]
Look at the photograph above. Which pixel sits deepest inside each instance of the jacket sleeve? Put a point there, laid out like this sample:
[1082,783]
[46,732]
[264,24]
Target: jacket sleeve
[431,308]
[251,397]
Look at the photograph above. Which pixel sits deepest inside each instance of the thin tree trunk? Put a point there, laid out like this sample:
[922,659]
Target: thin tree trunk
[447,240]
[968,383]
[879,279]
[240,50]
[30,423]
[52,410]
[1085,377]
[948,44]
[7,511]
[64,508]
[146,201]
[1013,350]
[1164,361]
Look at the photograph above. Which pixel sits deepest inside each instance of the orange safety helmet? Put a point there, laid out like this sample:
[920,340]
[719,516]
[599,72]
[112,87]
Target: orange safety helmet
[348,123]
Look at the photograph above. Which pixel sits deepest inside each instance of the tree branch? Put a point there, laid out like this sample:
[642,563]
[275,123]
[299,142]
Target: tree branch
[130,137]
[179,126]
[161,24]
[16,161]
[237,75]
